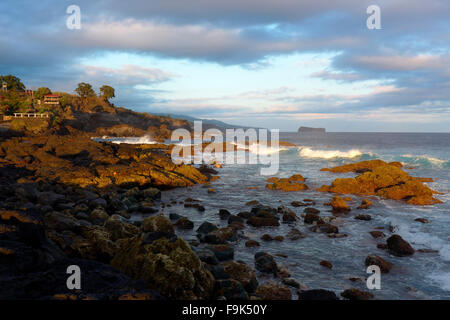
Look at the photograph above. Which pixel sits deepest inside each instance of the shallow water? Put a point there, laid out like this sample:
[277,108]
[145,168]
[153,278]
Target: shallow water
[421,276]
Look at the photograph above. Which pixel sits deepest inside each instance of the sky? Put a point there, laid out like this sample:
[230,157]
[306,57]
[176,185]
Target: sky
[269,63]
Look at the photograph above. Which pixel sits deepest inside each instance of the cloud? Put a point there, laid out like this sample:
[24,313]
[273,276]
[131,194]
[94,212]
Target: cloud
[126,75]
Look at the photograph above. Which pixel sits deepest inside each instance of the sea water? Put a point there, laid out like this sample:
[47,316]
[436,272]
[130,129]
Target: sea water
[420,276]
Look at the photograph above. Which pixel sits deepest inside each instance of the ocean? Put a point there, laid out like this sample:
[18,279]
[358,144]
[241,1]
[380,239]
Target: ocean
[424,275]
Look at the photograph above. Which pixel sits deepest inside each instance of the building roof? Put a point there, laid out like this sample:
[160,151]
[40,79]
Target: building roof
[52,96]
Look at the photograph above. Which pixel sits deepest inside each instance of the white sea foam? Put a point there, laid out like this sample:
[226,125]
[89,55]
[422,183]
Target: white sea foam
[418,159]
[328,154]
[261,149]
[130,140]
[442,279]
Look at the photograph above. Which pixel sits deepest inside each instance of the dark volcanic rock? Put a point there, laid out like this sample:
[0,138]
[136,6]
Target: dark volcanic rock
[365,217]
[184,223]
[243,273]
[384,265]
[317,294]
[398,246]
[264,262]
[224,214]
[311,210]
[355,294]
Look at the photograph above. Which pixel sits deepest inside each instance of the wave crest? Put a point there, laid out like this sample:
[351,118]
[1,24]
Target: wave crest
[329,154]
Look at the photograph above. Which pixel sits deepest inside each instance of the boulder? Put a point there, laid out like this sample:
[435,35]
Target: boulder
[365,217]
[398,246]
[264,262]
[317,294]
[386,180]
[384,265]
[157,224]
[339,205]
[273,291]
[355,294]
[167,265]
[184,223]
[251,243]
[243,273]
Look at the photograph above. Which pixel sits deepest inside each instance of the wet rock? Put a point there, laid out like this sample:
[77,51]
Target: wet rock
[264,262]
[293,183]
[253,203]
[174,216]
[244,214]
[219,236]
[157,224]
[364,217]
[243,273]
[169,266]
[422,220]
[195,206]
[263,222]
[384,265]
[310,218]
[151,193]
[298,204]
[317,294]
[295,234]
[339,205]
[382,246]
[224,214]
[184,223]
[98,216]
[311,210]
[230,289]
[232,219]
[99,202]
[207,256]
[217,271]
[325,228]
[326,264]
[119,229]
[251,243]
[398,246]
[266,237]
[355,294]
[377,234]
[273,291]
[223,252]
[206,227]
[384,180]
[365,204]
[289,216]
[291,282]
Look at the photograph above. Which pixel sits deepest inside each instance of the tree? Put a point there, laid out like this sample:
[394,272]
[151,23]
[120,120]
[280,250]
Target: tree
[41,92]
[107,92]
[12,82]
[85,90]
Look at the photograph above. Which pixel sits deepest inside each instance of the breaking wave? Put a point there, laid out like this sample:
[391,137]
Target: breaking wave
[129,140]
[329,154]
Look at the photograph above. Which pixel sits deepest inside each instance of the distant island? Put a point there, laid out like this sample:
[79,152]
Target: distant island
[309,130]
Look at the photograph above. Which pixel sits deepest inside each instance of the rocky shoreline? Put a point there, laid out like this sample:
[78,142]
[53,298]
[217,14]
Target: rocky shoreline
[67,200]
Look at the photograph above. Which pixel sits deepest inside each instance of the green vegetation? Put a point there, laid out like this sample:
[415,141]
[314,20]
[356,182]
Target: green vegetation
[41,92]
[107,92]
[13,83]
[85,90]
